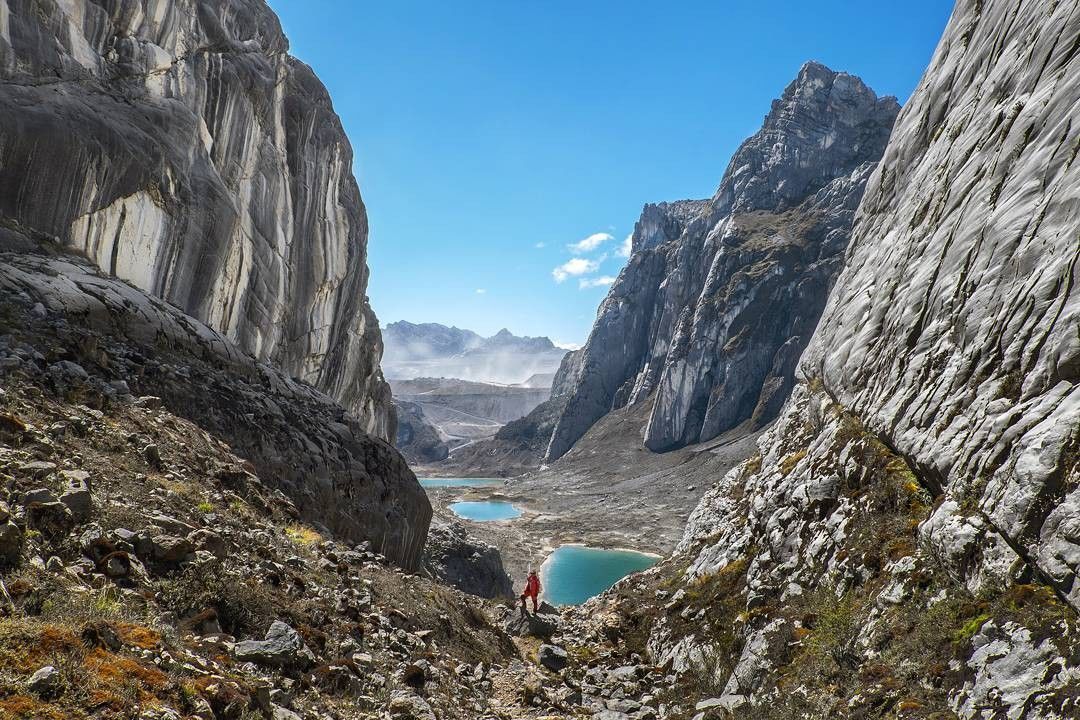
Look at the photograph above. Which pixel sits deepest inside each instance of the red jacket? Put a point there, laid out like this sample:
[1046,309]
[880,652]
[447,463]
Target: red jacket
[532,587]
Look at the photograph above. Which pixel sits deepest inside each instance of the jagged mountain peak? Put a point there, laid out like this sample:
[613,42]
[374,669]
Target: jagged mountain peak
[825,125]
[720,296]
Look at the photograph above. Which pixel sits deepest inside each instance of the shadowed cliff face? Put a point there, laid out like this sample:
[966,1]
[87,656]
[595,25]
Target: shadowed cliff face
[721,296]
[178,146]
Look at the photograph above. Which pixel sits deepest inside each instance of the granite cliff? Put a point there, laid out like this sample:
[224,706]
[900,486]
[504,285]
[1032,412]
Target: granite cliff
[720,296]
[179,147]
[904,543]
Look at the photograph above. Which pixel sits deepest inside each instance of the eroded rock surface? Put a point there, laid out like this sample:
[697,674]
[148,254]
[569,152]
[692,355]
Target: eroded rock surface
[178,146]
[720,296]
[116,341]
[904,540]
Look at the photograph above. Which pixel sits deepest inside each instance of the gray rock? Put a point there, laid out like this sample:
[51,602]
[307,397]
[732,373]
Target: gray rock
[279,713]
[76,494]
[720,296]
[282,648]
[468,564]
[404,705]
[45,681]
[210,206]
[541,625]
[553,657]
[170,550]
[52,519]
[11,542]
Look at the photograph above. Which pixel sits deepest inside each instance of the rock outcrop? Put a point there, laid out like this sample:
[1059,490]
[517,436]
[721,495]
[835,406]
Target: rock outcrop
[905,539]
[471,566]
[720,296]
[96,339]
[178,146]
[417,439]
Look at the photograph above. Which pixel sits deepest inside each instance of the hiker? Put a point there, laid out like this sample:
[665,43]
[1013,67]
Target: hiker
[532,590]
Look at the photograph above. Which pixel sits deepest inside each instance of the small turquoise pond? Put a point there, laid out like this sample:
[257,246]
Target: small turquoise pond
[458,482]
[573,574]
[485,511]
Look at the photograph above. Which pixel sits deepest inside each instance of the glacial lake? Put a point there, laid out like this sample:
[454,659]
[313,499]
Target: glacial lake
[459,482]
[485,511]
[573,573]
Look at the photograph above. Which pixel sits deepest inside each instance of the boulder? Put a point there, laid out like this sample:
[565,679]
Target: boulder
[541,625]
[52,519]
[11,542]
[405,705]
[45,682]
[282,648]
[76,494]
[553,657]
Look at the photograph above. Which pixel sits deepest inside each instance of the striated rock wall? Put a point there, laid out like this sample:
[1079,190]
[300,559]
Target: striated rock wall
[178,146]
[720,296]
[906,537]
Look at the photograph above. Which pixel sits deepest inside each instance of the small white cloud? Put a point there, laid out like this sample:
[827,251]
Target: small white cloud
[574,268]
[626,247]
[602,281]
[540,245]
[481,291]
[590,243]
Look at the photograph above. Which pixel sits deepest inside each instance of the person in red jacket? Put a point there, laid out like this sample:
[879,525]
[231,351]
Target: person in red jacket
[532,590]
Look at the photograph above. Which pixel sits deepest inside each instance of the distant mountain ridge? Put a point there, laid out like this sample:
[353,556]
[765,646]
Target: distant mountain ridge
[414,350]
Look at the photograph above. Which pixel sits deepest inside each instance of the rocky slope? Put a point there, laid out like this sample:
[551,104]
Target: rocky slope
[178,146]
[98,340]
[433,350]
[904,543]
[720,296]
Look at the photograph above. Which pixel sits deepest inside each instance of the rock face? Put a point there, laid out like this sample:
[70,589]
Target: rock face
[417,439]
[720,296]
[433,350]
[519,445]
[111,335]
[916,502]
[469,565]
[178,146]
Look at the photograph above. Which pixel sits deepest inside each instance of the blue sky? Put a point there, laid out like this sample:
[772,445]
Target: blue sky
[491,136]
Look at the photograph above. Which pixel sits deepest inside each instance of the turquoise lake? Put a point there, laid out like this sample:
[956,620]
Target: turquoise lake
[458,482]
[485,511]
[573,574]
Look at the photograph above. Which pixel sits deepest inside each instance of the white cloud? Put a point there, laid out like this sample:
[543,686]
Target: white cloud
[563,345]
[540,245]
[573,268]
[590,243]
[602,281]
[626,247]
[481,291]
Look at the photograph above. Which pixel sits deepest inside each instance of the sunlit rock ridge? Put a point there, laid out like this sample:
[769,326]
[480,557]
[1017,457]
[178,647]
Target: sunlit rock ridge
[178,146]
[908,534]
[720,296]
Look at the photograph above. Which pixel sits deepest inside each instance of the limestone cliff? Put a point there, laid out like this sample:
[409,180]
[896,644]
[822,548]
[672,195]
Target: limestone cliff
[178,146]
[720,296]
[905,542]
